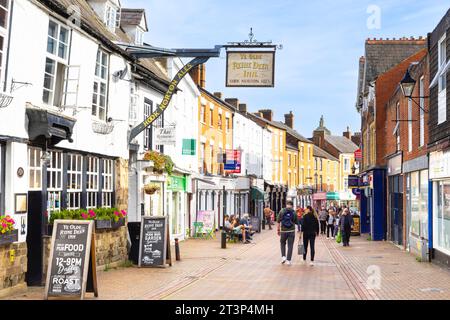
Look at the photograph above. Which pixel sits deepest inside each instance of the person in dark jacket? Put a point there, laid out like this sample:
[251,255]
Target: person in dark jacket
[346,223]
[310,228]
[287,219]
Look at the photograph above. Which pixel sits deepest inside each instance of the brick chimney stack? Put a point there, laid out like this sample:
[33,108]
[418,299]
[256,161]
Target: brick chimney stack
[218,95]
[289,119]
[233,101]
[267,114]
[198,75]
[347,133]
[243,107]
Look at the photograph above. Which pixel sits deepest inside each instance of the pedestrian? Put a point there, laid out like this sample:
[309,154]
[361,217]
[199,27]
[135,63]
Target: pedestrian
[299,212]
[346,222]
[310,229]
[268,215]
[331,220]
[323,220]
[336,226]
[287,219]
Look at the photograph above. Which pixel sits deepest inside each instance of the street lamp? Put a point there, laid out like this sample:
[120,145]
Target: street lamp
[407,84]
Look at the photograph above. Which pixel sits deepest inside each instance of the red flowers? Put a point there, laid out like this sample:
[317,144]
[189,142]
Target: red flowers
[6,224]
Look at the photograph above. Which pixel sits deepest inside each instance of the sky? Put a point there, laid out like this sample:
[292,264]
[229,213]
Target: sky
[317,69]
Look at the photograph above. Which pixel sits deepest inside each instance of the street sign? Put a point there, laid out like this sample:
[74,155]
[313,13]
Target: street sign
[358,155]
[72,249]
[250,69]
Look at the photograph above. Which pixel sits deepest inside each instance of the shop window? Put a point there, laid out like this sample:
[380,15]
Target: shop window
[442,217]
[107,178]
[54,181]
[92,175]
[34,168]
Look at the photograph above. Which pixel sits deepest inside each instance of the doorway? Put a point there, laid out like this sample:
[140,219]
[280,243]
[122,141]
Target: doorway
[396,208]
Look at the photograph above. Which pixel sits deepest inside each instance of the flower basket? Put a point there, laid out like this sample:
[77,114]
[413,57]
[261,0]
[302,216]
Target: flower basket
[151,188]
[118,224]
[9,237]
[103,224]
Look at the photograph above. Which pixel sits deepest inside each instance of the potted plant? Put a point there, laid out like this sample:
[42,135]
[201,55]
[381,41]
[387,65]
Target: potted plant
[7,232]
[103,218]
[151,188]
[161,162]
[118,219]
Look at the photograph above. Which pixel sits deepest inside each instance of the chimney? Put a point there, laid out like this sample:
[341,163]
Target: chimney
[198,74]
[243,107]
[233,101]
[289,119]
[267,114]
[356,138]
[259,114]
[218,95]
[347,133]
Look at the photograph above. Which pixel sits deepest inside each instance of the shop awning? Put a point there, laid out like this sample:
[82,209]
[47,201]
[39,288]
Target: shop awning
[48,128]
[332,196]
[257,194]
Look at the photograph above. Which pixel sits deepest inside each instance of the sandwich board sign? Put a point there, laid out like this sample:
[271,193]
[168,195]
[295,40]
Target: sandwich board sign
[154,244]
[71,267]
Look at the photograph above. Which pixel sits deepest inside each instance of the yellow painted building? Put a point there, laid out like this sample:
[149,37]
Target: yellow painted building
[215,132]
[306,163]
[326,171]
[292,166]
[279,163]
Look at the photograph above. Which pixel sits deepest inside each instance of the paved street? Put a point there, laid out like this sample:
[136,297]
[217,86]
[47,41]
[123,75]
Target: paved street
[254,271]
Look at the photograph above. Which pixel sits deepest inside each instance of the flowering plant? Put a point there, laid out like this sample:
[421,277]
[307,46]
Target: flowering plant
[119,215]
[6,224]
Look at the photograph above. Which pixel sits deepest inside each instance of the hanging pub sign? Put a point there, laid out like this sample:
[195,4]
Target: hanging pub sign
[154,247]
[232,161]
[353,181]
[250,69]
[165,136]
[358,155]
[72,266]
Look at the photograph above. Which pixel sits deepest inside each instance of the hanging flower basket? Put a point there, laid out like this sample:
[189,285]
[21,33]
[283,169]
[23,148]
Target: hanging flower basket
[151,188]
[9,237]
[102,128]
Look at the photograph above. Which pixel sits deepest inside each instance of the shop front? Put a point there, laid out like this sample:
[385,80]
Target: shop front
[305,197]
[258,197]
[395,200]
[177,205]
[319,199]
[440,178]
[332,199]
[416,174]
[349,199]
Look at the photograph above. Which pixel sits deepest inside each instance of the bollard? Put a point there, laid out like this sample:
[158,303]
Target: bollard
[264,224]
[177,250]
[224,240]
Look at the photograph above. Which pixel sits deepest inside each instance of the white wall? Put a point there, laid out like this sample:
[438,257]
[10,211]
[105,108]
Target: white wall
[267,155]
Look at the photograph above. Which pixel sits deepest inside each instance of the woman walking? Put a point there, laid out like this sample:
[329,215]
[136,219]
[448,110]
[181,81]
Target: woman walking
[346,222]
[331,221]
[310,228]
[323,220]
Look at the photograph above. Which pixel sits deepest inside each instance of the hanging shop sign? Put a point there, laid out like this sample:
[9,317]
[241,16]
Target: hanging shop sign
[439,164]
[353,181]
[71,266]
[250,69]
[356,191]
[165,136]
[358,155]
[189,147]
[232,161]
[154,247]
[176,183]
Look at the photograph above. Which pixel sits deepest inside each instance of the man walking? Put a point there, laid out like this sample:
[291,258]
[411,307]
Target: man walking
[287,219]
[346,222]
[323,215]
[267,216]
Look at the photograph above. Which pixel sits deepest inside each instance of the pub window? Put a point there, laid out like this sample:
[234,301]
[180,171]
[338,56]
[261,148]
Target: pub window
[100,88]
[74,181]
[54,181]
[107,178]
[92,169]
[159,123]
[34,168]
[148,109]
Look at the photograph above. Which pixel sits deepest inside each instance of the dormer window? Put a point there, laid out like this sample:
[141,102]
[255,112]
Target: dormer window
[112,17]
[139,38]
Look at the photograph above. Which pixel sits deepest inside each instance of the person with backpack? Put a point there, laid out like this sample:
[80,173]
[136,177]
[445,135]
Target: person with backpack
[310,228]
[287,219]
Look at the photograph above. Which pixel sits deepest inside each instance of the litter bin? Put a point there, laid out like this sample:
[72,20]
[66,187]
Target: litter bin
[134,229]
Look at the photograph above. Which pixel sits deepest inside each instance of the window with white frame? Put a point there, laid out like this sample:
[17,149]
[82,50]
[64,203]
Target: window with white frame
[74,181]
[397,126]
[159,123]
[442,81]
[34,168]
[100,86]
[92,175]
[422,113]
[55,181]
[56,64]
[410,125]
[346,164]
[139,36]
[202,114]
[107,178]
[228,123]
[4,12]
[211,116]
[132,115]
[112,17]
[148,109]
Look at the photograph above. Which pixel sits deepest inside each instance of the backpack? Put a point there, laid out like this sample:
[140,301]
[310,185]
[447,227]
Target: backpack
[288,216]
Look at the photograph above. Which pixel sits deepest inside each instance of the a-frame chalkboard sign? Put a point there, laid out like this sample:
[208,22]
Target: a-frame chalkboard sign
[72,267]
[154,242]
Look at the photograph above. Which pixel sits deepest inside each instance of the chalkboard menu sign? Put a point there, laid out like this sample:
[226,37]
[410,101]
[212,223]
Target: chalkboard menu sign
[153,242]
[69,259]
[255,223]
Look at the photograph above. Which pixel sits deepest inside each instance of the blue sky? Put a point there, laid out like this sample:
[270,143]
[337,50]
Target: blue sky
[316,72]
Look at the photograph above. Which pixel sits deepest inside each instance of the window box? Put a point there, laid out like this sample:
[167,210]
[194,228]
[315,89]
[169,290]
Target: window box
[103,224]
[9,237]
[118,224]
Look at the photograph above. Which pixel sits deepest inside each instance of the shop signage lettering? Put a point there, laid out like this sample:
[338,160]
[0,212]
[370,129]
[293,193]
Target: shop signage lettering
[72,249]
[176,183]
[250,68]
[189,147]
[353,181]
[153,247]
[233,161]
[165,136]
